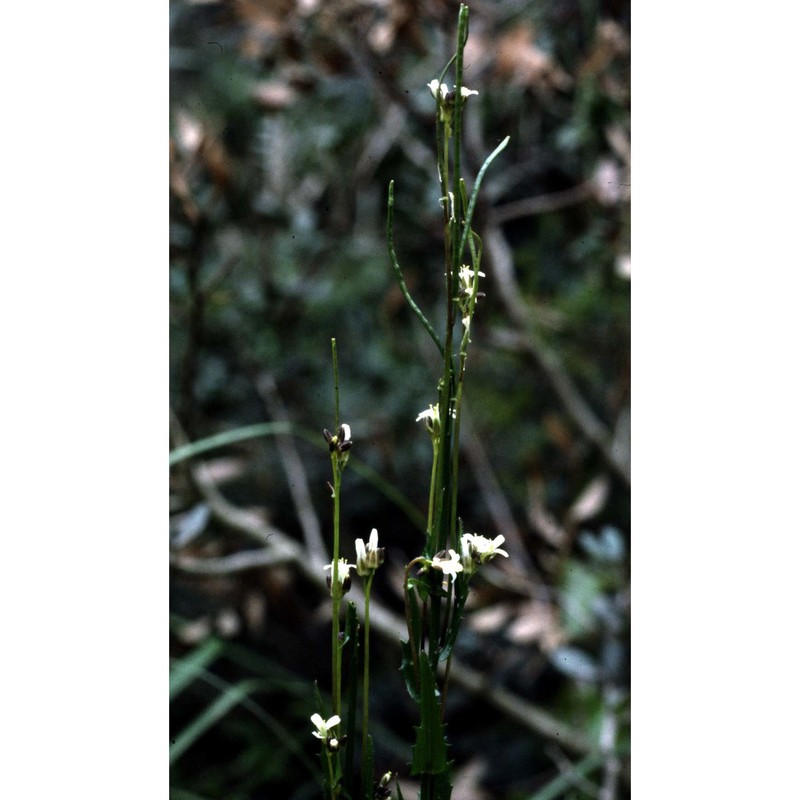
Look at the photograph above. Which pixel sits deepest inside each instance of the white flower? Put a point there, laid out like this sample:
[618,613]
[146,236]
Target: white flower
[343,574]
[431,414]
[466,280]
[369,557]
[437,87]
[449,566]
[432,420]
[323,726]
[481,548]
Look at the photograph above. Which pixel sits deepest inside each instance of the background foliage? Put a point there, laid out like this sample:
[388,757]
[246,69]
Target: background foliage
[287,121]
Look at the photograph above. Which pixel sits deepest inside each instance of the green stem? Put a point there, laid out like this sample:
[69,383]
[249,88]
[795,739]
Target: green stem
[331,774]
[458,106]
[336,593]
[399,273]
[432,495]
[336,587]
[335,383]
[365,699]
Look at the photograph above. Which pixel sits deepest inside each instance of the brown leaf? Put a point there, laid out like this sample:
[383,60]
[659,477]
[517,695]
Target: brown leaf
[541,519]
[537,622]
[521,61]
[490,619]
[591,501]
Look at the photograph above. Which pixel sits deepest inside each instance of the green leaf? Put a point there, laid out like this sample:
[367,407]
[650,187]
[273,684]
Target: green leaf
[559,785]
[429,754]
[225,438]
[361,468]
[407,671]
[213,713]
[183,671]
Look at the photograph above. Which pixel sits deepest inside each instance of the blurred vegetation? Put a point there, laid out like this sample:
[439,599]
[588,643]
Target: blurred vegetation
[287,122]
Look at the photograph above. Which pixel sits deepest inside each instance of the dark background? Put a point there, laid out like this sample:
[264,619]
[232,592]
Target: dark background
[287,122]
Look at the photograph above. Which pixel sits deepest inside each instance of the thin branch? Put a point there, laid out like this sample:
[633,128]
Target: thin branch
[236,562]
[515,708]
[399,273]
[295,472]
[543,203]
[496,503]
[527,340]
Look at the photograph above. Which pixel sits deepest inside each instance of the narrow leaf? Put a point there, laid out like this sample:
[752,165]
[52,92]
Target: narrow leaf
[429,754]
[183,671]
[213,713]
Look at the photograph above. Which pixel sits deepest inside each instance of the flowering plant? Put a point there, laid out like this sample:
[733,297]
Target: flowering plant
[436,595]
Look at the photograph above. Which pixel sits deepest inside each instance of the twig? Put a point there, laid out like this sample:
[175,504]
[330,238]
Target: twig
[236,562]
[517,709]
[527,340]
[246,522]
[295,472]
[392,128]
[543,204]
[496,503]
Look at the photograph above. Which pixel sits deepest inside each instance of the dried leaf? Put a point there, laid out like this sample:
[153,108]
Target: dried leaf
[491,619]
[610,41]
[537,622]
[591,501]
[521,61]
[541,519]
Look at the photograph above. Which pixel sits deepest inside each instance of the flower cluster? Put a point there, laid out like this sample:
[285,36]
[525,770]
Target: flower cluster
[368,558]
[448,98]
[445,101]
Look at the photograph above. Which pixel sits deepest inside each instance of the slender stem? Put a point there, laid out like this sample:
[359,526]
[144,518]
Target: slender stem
[458,106]
[399,273]
[365,699]
[331,774]
[432,495]
[336,593]
[335,382]
[336,587]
